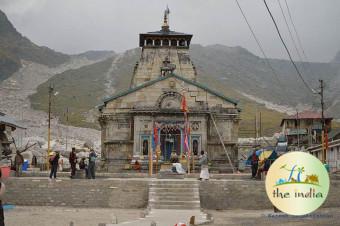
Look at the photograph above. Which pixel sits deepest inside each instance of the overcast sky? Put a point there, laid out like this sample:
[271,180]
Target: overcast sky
[74,26]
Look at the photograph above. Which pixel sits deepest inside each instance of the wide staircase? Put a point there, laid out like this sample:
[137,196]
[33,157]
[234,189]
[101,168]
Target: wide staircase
[172,201]
[174,194]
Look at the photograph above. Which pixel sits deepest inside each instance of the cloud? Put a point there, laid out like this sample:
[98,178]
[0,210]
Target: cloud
[20,7]
[74,26]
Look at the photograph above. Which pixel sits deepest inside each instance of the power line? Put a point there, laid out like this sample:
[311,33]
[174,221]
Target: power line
[289,31]
[259,44]
[298,38]
[295,30]
[285,46]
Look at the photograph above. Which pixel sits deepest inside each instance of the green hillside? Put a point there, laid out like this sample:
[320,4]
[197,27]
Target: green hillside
[83,89]
[79,90]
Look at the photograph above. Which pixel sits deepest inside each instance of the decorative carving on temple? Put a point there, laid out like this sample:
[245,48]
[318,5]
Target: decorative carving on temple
[170,100]
[183,58]
[195,125]
[167,68]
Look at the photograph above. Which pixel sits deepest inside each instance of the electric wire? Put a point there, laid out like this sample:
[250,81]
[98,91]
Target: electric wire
[287,50]
[290,33]
[299,39]
[295,31]
[259,45]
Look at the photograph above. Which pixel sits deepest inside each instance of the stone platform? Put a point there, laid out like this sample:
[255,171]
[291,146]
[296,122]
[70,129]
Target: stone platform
[134,192]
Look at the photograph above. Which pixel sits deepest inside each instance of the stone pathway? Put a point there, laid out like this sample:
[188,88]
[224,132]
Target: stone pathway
[172,201]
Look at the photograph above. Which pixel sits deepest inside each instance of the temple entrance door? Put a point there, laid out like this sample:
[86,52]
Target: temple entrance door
[170,142]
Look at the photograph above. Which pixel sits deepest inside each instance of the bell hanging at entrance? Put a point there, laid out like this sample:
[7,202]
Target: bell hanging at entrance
[169,139]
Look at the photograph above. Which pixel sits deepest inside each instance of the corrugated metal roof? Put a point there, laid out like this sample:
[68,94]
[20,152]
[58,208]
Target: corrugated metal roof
[4,119]
[307,115]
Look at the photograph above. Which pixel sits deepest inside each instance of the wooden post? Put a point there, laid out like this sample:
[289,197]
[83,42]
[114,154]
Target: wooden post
[150,161]
[221,140]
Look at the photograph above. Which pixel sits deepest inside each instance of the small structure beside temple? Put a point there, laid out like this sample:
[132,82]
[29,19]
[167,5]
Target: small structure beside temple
[151,109]
[304,128]
[7,126]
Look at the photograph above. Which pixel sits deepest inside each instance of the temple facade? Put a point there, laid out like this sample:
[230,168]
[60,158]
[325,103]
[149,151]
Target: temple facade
[151,108]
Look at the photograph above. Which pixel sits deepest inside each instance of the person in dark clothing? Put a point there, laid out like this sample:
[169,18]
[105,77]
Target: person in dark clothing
[83,165]
[73,162]
[92,164]
[2,191]
[54,160]
[254,164]
[18,161]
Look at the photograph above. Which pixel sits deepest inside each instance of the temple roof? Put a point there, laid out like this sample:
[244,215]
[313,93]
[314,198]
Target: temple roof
[131,90]
[164,32]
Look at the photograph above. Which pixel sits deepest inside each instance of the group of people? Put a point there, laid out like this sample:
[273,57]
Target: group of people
[203,162]
[258,168]
[86,164]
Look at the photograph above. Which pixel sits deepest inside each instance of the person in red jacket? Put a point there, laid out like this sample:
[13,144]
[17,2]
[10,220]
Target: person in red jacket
[254,164]
[73,162]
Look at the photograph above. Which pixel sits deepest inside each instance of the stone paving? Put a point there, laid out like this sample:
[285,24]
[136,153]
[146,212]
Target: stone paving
[62,216]
[321,217]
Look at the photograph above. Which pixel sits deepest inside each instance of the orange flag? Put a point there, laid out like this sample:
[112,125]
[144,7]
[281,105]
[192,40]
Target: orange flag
[184,106]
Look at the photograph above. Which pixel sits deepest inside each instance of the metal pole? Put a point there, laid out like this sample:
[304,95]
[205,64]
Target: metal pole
[50,90]
[66,128]
[298,128]
[323,122]
[260,124]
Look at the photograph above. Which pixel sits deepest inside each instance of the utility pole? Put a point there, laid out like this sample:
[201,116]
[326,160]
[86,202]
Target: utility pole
[66,127]
[260,124]
[50,91]
[323,122]
[298,129]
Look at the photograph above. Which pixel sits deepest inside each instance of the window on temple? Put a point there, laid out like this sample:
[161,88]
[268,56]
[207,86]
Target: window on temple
[165,42]
[182,42]
[195,147]
[157,42]
[173,42]
[149,42]
[145,147]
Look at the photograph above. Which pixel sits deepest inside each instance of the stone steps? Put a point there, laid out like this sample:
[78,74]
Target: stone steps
[174,194]
[176,198]
[176,207]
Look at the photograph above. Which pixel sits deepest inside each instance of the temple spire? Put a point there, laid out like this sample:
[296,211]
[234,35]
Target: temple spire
[165,26]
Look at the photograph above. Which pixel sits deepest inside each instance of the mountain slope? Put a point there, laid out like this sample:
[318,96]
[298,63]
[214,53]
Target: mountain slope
[14,47]
[237,68]
[81,90]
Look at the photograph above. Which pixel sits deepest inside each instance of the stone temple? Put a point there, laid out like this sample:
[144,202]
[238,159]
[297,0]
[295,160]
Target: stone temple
[152,104]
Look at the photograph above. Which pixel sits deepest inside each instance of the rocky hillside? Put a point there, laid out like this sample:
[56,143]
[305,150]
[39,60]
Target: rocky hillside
[237,68]
[14,48]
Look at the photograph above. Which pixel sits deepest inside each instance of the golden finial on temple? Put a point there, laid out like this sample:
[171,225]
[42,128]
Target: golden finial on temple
[165,26]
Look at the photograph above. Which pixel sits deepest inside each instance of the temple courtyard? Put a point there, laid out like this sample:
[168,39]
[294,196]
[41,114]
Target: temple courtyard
[63,216]
[229,199]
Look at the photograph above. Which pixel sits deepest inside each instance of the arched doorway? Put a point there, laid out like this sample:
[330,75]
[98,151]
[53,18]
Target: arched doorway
[170,138]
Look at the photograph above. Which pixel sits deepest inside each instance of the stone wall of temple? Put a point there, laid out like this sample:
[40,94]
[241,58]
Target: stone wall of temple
[152,60]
